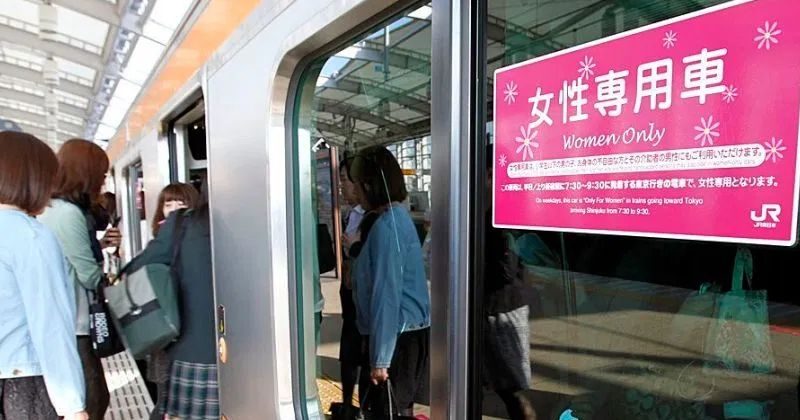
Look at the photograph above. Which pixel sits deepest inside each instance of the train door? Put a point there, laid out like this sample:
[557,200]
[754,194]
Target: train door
[372,91]
[187,149]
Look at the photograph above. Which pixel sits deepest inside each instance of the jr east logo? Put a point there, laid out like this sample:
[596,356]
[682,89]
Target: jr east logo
[767,217]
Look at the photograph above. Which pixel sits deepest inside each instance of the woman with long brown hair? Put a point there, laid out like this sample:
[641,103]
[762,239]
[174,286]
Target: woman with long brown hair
[81,174]
[40,370]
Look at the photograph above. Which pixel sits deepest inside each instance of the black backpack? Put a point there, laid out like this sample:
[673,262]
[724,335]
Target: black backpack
[326,256]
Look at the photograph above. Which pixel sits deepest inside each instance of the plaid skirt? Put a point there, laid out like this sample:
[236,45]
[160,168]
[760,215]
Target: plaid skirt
[193,391]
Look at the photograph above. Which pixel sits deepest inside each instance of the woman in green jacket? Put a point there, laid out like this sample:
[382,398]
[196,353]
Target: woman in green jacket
[81,174]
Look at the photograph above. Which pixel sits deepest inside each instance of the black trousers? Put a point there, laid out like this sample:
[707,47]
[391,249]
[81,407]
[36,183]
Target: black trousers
[97,397]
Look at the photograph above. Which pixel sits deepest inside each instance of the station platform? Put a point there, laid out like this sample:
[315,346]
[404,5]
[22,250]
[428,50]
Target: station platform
[129,397]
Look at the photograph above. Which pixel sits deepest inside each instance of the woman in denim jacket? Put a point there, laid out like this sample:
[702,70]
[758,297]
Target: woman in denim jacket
[40,371]
[389,283]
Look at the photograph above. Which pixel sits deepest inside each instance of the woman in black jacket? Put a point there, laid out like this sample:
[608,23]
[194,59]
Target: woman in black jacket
[193,385]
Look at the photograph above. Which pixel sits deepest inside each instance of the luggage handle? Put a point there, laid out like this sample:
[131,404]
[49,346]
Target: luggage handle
[742,269]
[391,394]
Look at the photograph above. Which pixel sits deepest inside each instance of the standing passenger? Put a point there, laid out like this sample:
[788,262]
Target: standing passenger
[506,361]
[173,197]
[193,387]
[350,342]
[389,284]
[40,370]
[82,172]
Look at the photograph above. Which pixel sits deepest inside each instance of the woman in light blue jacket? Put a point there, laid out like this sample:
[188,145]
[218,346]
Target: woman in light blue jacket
[389,281]
[40,371]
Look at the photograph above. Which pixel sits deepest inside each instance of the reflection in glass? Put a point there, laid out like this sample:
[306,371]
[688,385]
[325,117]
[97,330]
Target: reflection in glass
[601,327]
[137,205]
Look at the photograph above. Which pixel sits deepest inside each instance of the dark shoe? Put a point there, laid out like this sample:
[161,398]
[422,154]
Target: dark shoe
[340,411]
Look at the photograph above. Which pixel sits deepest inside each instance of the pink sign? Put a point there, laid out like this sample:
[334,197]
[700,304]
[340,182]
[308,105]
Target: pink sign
[683,129]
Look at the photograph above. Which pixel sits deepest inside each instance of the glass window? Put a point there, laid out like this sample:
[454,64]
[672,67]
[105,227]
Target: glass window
[196,143]
[584,326]
[138,219]
[363,124]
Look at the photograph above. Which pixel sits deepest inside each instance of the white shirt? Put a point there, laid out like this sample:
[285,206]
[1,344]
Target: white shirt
[354,220]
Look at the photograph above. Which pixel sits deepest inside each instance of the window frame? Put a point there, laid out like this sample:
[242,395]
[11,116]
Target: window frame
[299,79]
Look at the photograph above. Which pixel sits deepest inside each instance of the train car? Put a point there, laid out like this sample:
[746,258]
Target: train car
[610,317]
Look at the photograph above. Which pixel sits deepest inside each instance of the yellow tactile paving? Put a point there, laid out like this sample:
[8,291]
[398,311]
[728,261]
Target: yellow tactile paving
[129,397]
[330,391]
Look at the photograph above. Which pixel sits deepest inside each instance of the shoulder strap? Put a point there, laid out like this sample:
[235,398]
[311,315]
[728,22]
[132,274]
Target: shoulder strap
[177,238]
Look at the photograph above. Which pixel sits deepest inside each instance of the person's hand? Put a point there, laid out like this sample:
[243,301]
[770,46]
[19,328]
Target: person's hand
[80,416]
[379,375]
[112,238]
[349,240]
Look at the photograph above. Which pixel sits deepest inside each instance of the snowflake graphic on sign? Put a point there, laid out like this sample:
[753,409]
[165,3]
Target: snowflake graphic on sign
[768,35]
[707,129]
[526,140]
[503,161]
[730,94]
[774,149]
[510,93]
[670,39]
[586,68]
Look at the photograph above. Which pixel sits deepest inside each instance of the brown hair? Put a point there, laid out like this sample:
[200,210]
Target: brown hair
[380,176]
[174,192]
[82,171]
[28,169]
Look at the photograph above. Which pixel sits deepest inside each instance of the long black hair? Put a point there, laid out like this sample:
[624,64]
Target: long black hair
[380,176]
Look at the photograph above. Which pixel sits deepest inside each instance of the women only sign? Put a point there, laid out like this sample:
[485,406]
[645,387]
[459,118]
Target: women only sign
[683,129]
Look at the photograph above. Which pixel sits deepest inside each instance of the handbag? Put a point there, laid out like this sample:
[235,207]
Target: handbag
[739,338]
[730,332]
[379,404]
[105,339]
[145,303]
[102,332]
